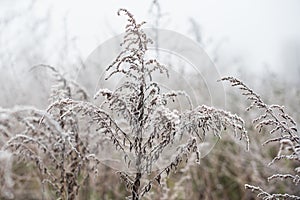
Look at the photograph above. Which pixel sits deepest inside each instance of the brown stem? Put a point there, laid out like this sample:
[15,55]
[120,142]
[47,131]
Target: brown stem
[136,186]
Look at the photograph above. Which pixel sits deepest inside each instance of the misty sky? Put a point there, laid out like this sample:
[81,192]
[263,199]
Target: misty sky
[256,31]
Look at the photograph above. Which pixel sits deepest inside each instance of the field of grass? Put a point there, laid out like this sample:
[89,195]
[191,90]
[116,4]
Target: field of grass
[142,140]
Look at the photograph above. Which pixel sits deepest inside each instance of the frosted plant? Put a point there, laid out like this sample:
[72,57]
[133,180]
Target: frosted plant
[60,156]
[51,141]
[64,87]
[5,125]
[136,119]
[283,126]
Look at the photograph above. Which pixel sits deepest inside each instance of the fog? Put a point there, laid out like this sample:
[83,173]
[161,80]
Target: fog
[244,38]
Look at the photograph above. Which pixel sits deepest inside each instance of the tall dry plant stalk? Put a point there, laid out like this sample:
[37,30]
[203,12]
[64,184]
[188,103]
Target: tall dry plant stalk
[150,126]
[286,135]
